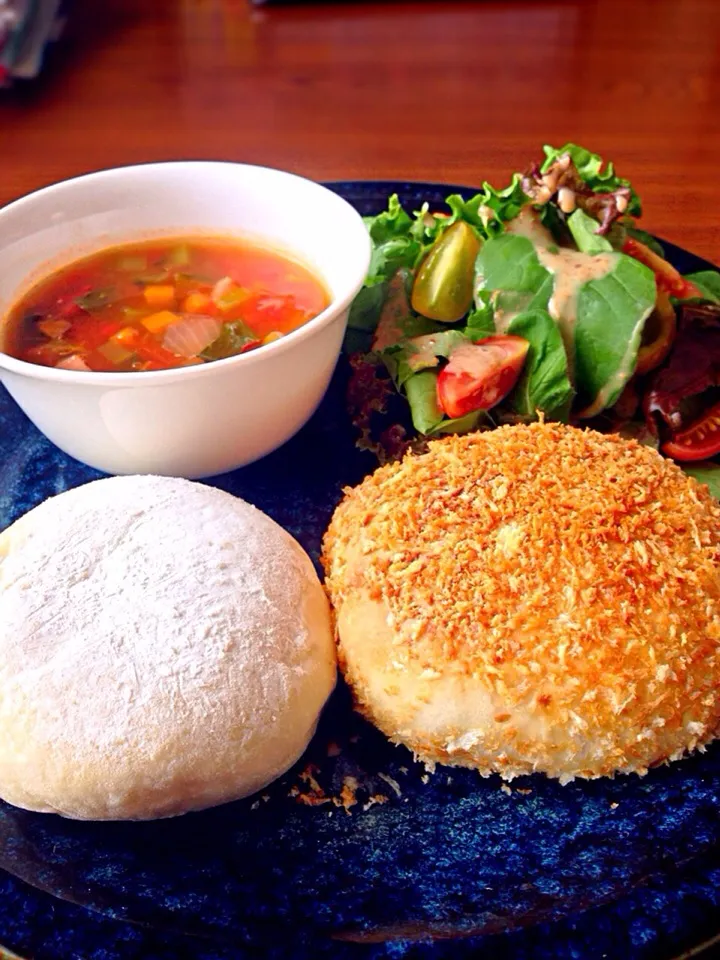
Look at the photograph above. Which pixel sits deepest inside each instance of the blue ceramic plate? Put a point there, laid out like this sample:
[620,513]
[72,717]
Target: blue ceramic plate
[432,866]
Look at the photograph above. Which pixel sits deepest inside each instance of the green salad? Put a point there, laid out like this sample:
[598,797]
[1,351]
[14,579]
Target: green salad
[542,299]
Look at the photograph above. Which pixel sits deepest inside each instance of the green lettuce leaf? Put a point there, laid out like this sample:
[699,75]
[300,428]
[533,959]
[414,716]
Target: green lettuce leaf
[393,222]
[544,384]
[611,313]
[708,283]
[583,228]
[590,167]
[487,212]
[421,391]
[458,424]
[489,209]
[390,256]
[705,472]
[393,244]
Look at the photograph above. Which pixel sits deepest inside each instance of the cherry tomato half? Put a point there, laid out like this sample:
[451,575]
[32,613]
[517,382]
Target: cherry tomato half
[698,441]
[478,375]
[443,285]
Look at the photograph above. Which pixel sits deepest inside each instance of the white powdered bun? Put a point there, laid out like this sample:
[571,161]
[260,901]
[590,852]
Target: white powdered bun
[164,647]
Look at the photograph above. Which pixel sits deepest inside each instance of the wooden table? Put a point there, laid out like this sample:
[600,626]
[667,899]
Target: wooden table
[457,91]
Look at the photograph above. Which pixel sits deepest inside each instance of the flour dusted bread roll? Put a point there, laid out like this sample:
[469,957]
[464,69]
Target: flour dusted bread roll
[164,647]
[533,598]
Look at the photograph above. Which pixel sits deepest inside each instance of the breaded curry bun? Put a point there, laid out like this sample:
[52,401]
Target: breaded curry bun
[531,599]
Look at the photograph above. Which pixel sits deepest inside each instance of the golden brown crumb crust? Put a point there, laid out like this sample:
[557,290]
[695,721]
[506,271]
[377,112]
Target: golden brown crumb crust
[563,573]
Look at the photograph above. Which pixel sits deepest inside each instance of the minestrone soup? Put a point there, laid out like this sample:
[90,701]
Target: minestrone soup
[164,303]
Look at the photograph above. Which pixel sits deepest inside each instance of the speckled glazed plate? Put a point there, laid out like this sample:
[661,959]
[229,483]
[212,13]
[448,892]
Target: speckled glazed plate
[357,852]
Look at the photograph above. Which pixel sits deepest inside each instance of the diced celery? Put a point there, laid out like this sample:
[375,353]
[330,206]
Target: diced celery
[114,352]
[132,313]
[179,256]
[233,296]
[193,277]
[132,264]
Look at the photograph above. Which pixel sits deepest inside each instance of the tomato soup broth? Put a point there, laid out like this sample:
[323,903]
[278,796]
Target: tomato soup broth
[162,303]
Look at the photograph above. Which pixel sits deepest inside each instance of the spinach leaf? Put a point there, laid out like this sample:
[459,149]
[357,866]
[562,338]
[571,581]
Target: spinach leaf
[705,472]
[611,313]
[509,267]
[421,391]
[96,299]
[509,262]
[590,167]
[584,228]
[420,353]
[480,322]
[544,384]
[708,283]
[235,335]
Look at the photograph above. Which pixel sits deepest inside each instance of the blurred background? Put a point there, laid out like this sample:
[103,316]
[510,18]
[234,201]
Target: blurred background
[455,91]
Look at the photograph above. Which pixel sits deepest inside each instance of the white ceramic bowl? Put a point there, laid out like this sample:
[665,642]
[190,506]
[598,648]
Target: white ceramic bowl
[200,420]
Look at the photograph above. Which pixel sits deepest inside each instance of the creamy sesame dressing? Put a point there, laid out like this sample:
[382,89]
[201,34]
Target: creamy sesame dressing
[571,270]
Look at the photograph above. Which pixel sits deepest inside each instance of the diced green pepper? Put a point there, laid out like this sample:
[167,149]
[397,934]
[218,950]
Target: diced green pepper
[95,299]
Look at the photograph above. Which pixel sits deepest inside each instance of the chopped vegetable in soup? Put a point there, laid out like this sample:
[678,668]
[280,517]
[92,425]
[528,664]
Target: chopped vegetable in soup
[162,303]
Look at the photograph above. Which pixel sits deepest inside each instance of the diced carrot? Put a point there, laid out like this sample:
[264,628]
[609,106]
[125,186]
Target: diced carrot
[157,322]
[197,303]
[159,294]
[272,336]
[127,336]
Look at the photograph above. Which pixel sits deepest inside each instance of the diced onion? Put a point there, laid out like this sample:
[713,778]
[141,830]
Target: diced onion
[192,334]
